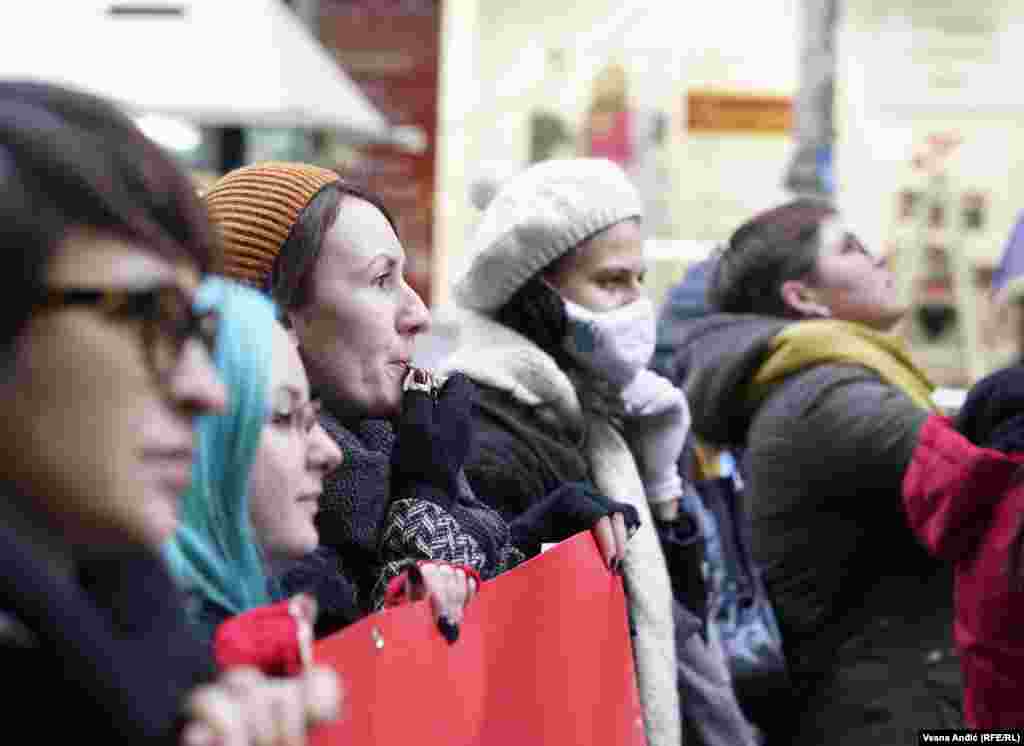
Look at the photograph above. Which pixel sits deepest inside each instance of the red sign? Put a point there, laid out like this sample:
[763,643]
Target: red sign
[543,657]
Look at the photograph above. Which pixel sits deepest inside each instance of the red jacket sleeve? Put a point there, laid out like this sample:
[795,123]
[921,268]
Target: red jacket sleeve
[950,486]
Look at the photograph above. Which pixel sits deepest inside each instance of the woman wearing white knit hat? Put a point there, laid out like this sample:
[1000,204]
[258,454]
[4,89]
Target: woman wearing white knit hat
[556,332]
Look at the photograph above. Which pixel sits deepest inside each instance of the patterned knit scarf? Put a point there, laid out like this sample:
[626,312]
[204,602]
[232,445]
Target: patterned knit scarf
[356,497]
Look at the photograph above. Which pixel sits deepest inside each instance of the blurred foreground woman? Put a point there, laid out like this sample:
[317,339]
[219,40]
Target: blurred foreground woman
[105,366]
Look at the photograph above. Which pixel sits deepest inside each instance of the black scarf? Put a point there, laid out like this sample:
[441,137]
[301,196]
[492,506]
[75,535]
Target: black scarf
[356,498]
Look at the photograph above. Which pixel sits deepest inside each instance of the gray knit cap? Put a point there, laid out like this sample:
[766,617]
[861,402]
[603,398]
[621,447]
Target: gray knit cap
[536,217]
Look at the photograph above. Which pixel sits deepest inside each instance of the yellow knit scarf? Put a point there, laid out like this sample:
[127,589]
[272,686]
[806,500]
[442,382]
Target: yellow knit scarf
[808,343]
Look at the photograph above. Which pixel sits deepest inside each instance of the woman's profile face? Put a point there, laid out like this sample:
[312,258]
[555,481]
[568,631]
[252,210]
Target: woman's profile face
[101,444]
[853,284]
[357,332]
[606,272]
[292,458]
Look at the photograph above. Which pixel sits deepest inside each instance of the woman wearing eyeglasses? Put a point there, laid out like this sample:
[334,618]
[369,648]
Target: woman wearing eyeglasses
[105,368]
[259,468]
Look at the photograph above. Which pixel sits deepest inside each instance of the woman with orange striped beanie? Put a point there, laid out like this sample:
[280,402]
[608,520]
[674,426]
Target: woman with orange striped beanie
[398,518]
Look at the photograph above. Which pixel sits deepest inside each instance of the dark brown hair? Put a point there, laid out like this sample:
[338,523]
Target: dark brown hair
[538,312]
[765,252]
[70,160]
[291,276]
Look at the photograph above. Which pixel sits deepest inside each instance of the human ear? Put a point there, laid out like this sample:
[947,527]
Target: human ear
[803,300]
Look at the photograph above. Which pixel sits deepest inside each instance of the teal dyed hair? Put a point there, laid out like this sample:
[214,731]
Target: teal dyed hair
[214,553]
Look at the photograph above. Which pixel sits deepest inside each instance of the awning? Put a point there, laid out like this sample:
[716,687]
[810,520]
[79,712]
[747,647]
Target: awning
[213,62]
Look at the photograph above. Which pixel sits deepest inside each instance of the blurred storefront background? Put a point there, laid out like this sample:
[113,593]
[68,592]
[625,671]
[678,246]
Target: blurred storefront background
[903,112]
[392,50]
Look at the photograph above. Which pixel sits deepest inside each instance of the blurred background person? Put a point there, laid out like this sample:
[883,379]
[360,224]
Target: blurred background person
[743,633]
[963,498]
[797,366]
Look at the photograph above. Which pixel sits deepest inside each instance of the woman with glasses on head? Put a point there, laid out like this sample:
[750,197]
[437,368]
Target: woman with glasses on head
[258,472]
[105,368]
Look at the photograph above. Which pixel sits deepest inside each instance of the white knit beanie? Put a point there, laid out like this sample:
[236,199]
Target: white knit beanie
[535,218]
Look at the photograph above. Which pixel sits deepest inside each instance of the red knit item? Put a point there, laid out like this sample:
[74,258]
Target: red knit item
[266,637]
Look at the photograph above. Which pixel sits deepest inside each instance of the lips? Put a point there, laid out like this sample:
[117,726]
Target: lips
[310,497]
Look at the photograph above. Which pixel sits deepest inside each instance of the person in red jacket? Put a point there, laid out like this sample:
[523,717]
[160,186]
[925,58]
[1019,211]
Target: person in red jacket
[964,497]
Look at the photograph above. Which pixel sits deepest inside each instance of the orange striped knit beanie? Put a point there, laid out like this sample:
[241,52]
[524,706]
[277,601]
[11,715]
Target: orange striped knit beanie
[254,209]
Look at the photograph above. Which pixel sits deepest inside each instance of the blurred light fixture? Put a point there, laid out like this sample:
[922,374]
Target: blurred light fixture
[409,138]
[146,10]
[173,134]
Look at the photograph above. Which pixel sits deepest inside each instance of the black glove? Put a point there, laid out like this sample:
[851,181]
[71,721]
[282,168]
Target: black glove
[434,436]
[566,511]
[993,413]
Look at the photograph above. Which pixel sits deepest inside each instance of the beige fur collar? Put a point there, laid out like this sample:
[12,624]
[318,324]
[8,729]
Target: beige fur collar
[495,355]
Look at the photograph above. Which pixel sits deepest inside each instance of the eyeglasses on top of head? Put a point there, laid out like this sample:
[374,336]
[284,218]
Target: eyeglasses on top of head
[169,318]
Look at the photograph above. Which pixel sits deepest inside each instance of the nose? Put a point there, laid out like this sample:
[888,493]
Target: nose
[323,455]
[195,385]
[413,316]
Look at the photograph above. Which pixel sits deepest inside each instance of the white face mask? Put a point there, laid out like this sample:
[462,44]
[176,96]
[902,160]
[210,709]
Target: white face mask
[616,344]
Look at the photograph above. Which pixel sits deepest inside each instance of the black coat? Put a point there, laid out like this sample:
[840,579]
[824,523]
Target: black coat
[109,659]
[367,533]
[522,457]
[519,457]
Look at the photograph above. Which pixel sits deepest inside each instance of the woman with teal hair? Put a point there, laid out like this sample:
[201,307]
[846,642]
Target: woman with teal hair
[258,469]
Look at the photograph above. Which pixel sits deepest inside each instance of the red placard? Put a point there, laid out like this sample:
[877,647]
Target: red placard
[544,657]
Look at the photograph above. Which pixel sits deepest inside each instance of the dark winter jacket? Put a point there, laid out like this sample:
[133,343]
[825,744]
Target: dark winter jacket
[368,535]
[520,457]
[107,657]
[866,630]
[684,302]
[966,505]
